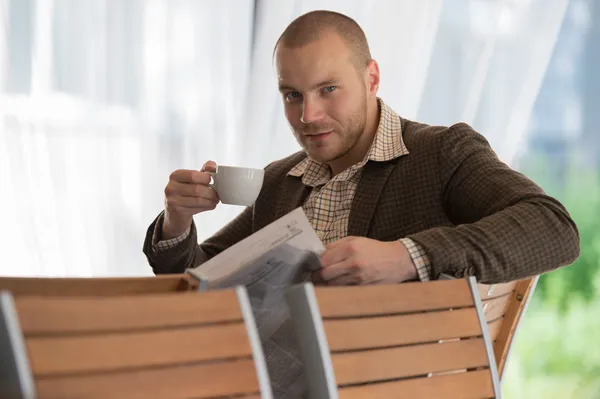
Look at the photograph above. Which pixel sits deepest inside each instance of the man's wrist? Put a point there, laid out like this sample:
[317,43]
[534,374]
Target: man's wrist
[162,244]
[173,227]
[419,258]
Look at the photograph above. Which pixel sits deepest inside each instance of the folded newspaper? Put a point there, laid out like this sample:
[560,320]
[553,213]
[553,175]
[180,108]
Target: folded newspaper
[283,253]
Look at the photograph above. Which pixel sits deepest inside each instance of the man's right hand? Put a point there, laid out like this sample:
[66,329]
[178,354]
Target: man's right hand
[187,194]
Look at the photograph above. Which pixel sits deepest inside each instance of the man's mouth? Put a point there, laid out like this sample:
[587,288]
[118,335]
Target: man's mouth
[319,136]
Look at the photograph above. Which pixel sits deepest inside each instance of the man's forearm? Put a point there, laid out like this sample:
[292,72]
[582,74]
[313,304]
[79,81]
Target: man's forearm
[189,253]
[507,227]
[529,238]
[171,255]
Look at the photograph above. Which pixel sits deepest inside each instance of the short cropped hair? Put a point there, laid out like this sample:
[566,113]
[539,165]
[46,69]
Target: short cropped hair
[313,25]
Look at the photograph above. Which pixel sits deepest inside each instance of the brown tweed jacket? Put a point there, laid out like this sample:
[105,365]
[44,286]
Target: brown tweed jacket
[471,213]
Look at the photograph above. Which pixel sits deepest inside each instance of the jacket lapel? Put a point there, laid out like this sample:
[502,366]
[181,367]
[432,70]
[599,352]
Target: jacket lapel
[371,184]
[292,195]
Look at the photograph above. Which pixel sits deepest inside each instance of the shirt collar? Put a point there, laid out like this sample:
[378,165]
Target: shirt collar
[387,145]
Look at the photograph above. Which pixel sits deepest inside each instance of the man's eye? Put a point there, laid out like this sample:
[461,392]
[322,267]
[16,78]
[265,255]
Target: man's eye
[329,89]
[292,95]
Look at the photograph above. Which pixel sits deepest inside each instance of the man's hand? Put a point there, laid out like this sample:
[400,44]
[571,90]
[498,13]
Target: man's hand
[187,194]
[360,260]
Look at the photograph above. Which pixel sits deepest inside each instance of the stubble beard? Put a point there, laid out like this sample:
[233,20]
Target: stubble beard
[348,137]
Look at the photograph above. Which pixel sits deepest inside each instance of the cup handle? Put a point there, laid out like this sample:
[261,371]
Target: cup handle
[213,185]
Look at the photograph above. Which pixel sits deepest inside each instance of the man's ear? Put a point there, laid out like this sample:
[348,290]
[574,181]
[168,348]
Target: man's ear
[372,77]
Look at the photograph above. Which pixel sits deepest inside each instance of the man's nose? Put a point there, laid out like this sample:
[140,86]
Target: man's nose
[312,111]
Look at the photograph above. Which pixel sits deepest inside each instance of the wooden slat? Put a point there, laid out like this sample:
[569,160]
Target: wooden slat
[94,286]
[392,298]
[496,308]
[474,384]
[187,381]
[53,315]
[384,364]
[494,328]
[512,317]
[94,353]
[377,332]
[498,290]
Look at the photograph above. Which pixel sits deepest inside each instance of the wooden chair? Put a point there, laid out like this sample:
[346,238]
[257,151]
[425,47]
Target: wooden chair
[97,286]
[504,306]
[386,341]
[178,345]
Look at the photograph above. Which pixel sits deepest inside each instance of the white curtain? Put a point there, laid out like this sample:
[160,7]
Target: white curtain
[100,100]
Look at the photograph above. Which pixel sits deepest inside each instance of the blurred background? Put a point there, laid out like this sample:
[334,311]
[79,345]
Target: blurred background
[100,100]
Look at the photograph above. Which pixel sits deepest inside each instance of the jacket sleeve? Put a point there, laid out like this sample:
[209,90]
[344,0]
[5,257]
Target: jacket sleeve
[189,253]
[506,227]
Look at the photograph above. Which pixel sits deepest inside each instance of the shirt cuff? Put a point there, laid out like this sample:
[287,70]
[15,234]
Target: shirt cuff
[419,258]
[165,245]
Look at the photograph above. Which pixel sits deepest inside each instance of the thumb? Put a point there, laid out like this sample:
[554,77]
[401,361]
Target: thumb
[209,166]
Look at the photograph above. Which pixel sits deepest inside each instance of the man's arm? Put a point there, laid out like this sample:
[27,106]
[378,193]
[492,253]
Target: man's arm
[507,228]
[189,253]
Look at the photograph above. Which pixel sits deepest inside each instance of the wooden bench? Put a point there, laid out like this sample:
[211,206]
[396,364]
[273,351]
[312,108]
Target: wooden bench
[97,286]
[413,340]
[177,345]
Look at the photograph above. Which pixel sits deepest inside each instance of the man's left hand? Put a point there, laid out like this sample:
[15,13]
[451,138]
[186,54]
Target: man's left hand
[361,260]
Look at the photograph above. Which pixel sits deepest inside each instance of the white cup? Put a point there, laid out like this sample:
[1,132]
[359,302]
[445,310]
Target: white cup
[237,185]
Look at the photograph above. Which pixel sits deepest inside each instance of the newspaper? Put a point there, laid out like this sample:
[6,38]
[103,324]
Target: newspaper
[238,263]
[283,253]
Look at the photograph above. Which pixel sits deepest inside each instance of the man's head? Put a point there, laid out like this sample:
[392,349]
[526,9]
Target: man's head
[329,84]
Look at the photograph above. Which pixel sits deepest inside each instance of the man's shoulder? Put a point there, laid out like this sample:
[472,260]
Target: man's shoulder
[421,136]
[413,130]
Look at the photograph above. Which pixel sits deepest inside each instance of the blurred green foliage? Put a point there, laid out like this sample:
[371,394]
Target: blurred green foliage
[578,188]
[556,355]
[556,352]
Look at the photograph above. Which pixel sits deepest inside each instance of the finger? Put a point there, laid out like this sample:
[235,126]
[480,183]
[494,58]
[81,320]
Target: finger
[190,210]
[335,254]
[337,270]
[182,176]
[191,202]
[209,166]
[346,279]
[199,177]
[190,176]
[175,189]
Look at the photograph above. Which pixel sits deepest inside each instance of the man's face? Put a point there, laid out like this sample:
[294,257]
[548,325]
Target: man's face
[324,95]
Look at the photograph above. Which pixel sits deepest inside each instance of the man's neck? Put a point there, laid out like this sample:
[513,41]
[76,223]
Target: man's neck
[362,146]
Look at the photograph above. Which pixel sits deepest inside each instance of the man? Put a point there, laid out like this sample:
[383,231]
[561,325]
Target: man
[393,199]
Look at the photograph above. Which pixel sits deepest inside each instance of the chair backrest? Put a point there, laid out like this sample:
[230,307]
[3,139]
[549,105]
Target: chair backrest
[386,341]
[97,286]
[504,306]
[178,345]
